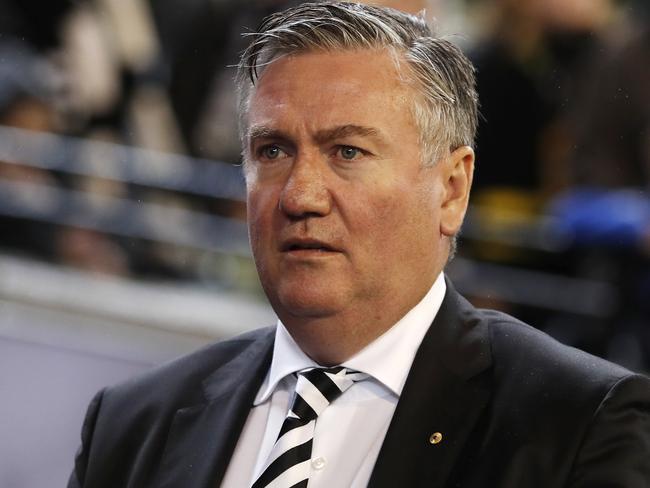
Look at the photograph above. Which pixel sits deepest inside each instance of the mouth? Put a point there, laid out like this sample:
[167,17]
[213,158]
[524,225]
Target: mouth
[313,246]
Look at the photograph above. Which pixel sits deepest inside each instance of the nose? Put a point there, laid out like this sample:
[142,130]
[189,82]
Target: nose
[305,192]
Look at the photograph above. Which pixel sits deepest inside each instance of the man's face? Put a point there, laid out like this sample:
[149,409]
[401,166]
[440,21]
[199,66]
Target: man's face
[342,214]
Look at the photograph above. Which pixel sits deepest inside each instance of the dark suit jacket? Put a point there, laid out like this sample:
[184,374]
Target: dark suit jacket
[516,410]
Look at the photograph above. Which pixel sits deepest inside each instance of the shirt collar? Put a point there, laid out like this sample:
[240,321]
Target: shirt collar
[287,359]
[387,359]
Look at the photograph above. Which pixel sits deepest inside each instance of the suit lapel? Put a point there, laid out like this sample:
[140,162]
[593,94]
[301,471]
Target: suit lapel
[445,392]
[202,437]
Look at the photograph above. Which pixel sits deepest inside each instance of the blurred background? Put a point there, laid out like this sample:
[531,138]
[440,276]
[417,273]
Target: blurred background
[122,216]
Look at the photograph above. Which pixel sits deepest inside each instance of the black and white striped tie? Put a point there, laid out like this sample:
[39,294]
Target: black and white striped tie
[289,463]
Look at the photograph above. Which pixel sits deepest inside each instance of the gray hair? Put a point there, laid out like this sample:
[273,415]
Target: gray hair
[446,106]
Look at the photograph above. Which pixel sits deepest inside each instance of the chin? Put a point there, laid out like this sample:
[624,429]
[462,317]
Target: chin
[307,303]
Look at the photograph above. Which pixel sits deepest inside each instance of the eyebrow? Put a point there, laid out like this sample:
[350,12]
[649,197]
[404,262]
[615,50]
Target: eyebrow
[263,132]
[345,131]
[322,136]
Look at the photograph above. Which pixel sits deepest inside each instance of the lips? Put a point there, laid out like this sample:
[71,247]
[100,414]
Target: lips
[302,244]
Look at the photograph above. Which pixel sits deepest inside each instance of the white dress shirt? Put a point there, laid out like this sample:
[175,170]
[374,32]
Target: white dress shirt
[349,433]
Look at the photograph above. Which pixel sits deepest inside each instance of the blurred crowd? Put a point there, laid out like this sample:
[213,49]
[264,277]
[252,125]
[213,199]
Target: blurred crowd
[563,149]
[563,154]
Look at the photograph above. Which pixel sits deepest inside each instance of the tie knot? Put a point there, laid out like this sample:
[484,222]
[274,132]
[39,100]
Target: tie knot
[318,387]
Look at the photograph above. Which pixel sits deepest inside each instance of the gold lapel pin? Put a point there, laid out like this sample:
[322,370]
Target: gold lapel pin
[435,438]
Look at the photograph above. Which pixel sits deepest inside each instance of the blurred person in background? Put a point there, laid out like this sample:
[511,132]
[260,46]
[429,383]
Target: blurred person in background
[25,102]
[563,86]
[94,71]
[531,67]
[28,101]
[357,125]
[532,62]
[606,210]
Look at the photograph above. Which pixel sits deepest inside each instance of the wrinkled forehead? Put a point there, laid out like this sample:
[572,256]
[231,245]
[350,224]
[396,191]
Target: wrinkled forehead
[248,87]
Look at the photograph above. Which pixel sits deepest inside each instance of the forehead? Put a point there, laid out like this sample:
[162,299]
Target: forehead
[331,88]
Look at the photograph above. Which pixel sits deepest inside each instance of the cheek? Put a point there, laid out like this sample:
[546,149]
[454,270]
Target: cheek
[402,223]
[379,221]
[259,208]
[260,232]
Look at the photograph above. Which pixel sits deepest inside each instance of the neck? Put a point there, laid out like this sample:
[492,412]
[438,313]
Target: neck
[330,340]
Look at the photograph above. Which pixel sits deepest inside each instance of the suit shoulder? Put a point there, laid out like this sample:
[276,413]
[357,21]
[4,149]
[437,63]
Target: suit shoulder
[128,425]
[531,356]
[545,392]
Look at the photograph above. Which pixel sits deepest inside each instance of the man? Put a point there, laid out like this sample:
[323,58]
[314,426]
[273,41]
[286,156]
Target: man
[357,127]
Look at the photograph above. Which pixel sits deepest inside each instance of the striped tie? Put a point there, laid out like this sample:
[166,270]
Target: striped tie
[289,463]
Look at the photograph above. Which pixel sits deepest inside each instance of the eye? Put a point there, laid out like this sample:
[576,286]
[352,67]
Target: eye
[271,151]
[349,152]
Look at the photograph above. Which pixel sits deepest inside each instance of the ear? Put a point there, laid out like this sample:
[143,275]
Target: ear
[457,176]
